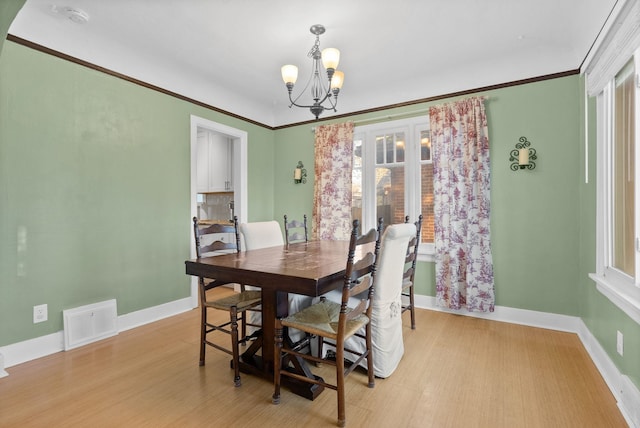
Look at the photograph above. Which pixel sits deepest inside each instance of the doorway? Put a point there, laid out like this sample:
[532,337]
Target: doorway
[239,140]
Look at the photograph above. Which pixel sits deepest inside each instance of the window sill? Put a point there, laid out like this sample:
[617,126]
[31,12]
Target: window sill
[625,298]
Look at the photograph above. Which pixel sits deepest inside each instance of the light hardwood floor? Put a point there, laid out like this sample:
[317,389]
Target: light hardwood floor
[456,372]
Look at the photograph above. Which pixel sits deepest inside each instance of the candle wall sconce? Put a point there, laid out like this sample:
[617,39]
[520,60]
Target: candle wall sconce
[300,174]
[523,155]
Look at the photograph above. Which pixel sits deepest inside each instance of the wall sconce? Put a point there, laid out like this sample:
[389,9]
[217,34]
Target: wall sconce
[300,174]
[522,156]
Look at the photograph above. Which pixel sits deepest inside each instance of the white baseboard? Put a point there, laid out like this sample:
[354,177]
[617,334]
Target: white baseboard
[42,346]
[624,391]
[3,373]
[155,313]
[514,316]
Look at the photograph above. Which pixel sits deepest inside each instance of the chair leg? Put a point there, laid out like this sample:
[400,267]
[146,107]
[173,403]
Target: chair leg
[203,333]
[277,362]
[340,385]
[369,351]
[244,327]
[320,346]
[412,308]
[234,346]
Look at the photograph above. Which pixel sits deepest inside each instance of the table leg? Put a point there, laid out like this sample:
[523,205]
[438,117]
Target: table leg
[275,304]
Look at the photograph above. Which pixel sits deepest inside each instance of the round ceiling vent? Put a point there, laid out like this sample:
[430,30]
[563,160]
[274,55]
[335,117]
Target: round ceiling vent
[78,16]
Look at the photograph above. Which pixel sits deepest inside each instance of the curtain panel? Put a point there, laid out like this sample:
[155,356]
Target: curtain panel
[332,191]
[464,266]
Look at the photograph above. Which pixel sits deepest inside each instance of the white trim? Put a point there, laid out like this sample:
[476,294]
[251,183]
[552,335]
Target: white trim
[152,314]
[594,52]
[615,46]
[511,315]
[617,287]
[623,390]
[627,302]
[240,149]
[3,373]
[21,352]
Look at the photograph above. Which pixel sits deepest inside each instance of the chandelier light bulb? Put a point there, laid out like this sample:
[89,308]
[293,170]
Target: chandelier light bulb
[289,74]
[330,58]
[337,80]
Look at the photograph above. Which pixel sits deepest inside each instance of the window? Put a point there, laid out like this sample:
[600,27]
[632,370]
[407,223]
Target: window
[393,175]
[622,173]
[618,261]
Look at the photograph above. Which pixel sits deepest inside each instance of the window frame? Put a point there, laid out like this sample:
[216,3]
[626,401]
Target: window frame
[412,128]
[622,289]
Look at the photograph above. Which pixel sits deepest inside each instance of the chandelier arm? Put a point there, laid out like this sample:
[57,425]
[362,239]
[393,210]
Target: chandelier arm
[327,94]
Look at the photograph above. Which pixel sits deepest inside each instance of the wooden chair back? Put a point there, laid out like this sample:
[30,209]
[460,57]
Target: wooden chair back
[295,230]
[210,240]
[359,278]
[216,243]
[412,254]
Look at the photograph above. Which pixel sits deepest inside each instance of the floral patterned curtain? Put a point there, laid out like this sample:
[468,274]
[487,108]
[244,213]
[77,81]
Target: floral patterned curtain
[460,148]
[332,192]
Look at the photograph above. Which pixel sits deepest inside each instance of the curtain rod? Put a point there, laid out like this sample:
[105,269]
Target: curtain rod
[393,116]
[386,117]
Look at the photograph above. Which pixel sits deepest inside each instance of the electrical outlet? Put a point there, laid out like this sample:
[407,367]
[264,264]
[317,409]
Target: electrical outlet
[40,313]
[620,343]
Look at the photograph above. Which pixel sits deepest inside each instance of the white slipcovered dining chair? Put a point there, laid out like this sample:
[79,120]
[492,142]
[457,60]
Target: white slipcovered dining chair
[386,315]
[263,234]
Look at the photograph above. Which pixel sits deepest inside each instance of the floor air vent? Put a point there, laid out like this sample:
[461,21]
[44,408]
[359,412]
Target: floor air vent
[86,324]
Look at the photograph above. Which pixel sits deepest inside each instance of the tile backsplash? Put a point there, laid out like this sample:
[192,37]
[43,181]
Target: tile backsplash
[215,206]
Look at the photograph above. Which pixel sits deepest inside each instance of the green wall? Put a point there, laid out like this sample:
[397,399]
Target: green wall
[95,190]
[8,11]
[533,248]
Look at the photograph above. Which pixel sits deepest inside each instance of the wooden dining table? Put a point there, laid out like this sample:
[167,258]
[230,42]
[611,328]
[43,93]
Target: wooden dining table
[308,268]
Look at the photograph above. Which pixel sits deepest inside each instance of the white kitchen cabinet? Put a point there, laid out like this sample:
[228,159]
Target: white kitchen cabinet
[214,162]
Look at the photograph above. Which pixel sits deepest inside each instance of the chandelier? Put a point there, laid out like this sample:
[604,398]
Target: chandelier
[321,92]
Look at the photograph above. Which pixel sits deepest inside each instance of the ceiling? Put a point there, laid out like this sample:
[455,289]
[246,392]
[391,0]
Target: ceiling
[228,53]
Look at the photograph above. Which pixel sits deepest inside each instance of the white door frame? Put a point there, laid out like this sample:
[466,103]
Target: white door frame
[240,141]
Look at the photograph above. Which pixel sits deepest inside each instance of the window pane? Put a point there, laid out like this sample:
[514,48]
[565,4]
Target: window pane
[356,182]
[390,194]
[426,203]
[390,148]
[380,149]
[623,173]
[425,145]
[400,147]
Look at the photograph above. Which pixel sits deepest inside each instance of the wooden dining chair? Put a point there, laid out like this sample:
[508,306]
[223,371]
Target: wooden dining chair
[335,321]
[295,230]
[386,316]
[210,241]
[410,271]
